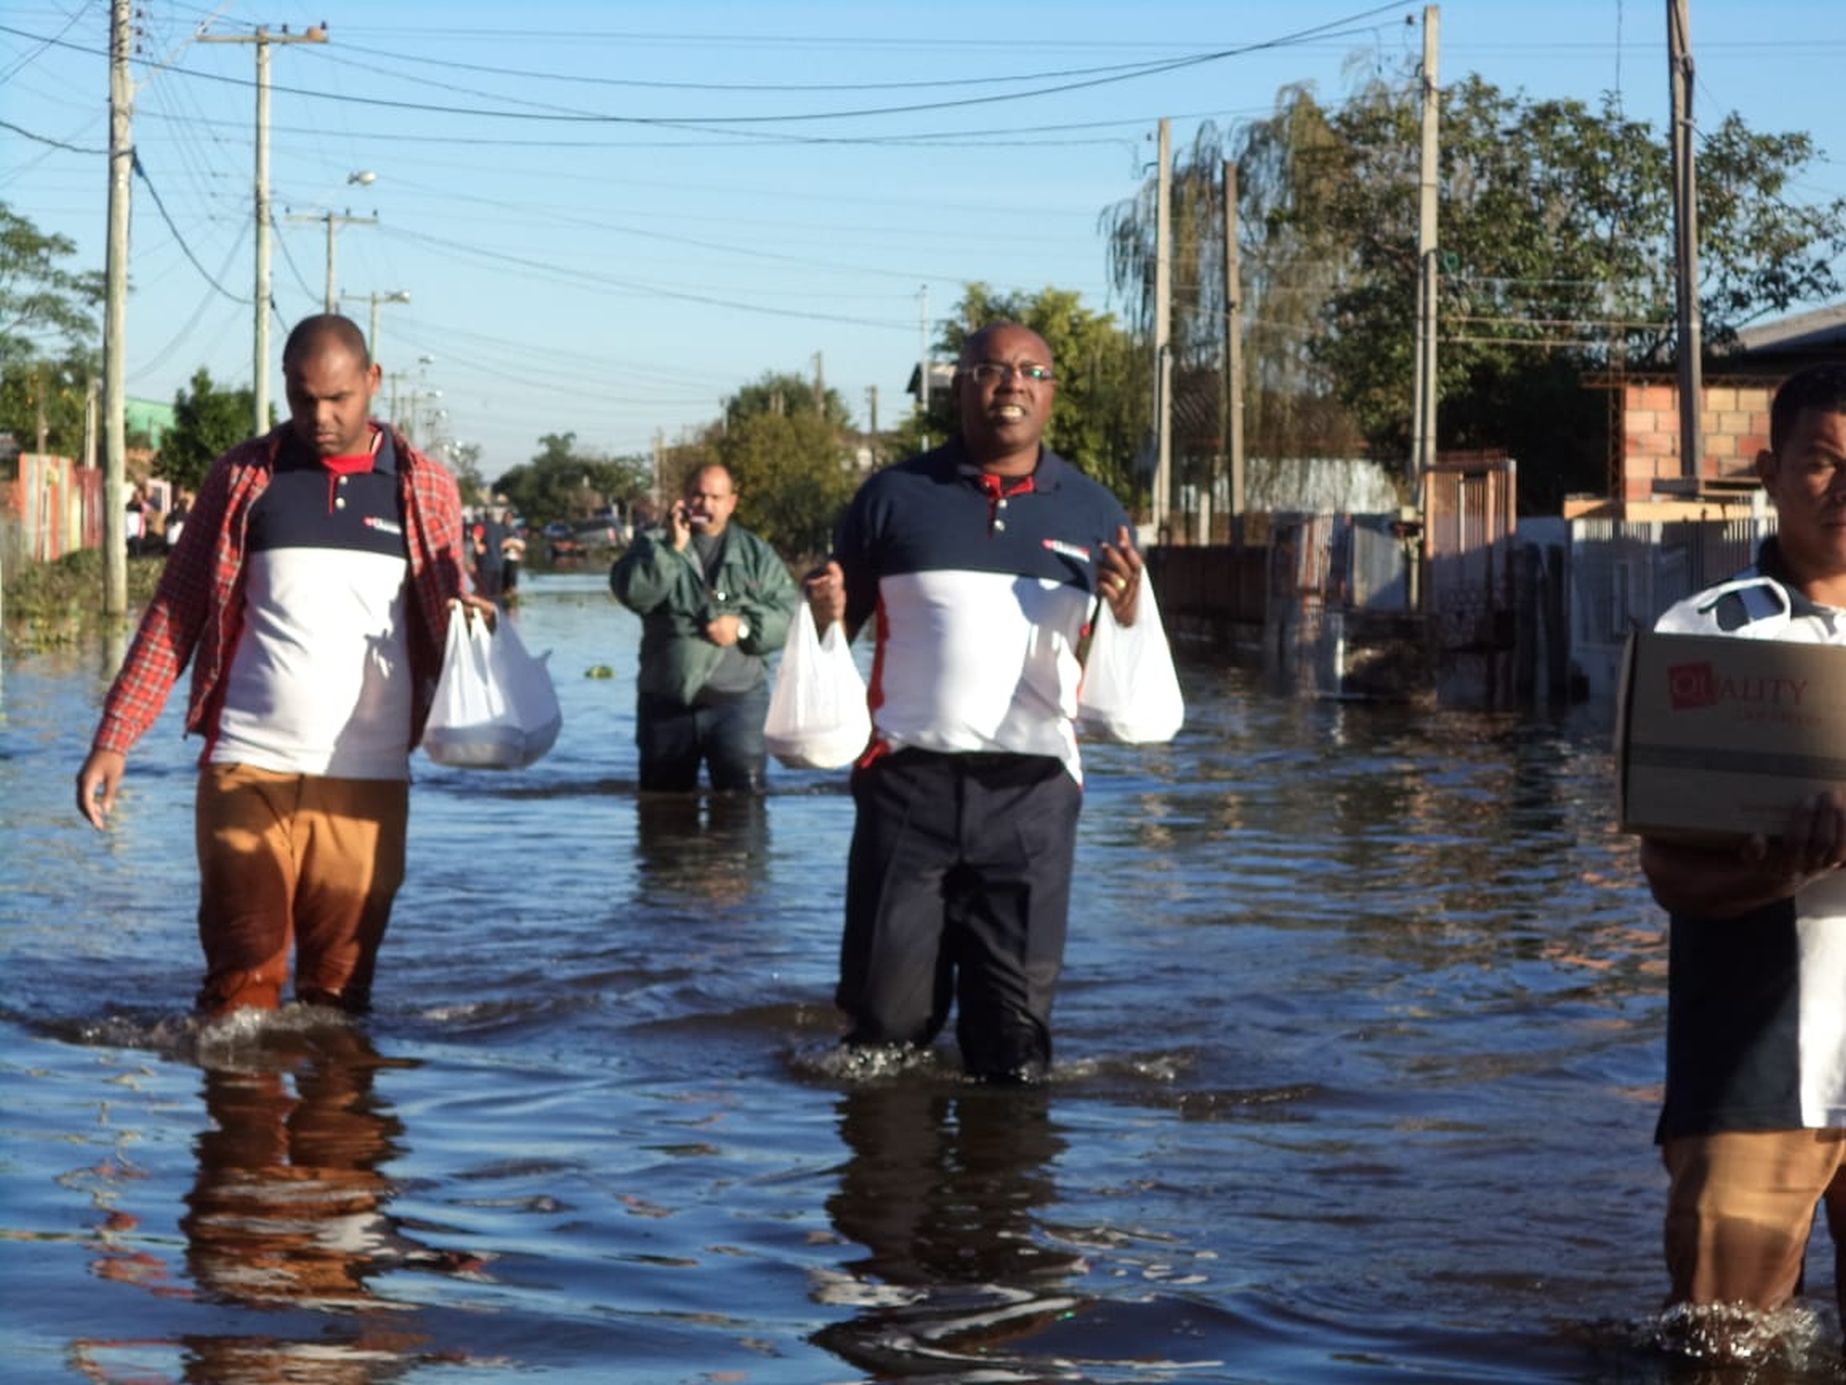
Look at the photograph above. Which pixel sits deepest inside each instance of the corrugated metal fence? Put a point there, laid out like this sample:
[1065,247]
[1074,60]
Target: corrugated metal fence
[55,507]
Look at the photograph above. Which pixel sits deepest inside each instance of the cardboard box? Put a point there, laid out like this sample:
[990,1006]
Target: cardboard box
[1720,737]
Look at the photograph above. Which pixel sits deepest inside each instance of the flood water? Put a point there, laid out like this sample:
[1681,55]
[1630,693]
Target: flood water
[1360,1041]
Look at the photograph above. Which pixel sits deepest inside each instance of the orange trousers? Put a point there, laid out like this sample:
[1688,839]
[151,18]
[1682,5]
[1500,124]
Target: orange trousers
[295,862]
[1741,1209]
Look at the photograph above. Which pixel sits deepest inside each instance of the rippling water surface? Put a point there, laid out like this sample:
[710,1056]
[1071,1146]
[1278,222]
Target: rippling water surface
[1359,1046]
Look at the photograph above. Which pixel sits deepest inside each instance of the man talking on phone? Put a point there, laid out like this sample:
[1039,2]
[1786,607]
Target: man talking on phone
[714,600]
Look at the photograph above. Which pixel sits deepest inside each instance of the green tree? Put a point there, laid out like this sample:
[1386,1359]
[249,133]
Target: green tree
[793,477]
[1101,412]
[785,392]
[561,482]
[47,336]
[1556,231]
[207,422]
[51,388]
[40,297]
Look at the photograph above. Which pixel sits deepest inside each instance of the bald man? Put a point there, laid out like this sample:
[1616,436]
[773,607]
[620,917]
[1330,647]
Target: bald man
[310,592]
[979,566]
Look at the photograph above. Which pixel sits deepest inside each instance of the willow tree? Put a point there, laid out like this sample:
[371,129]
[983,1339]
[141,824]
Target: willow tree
[1289,270]
[1555,236]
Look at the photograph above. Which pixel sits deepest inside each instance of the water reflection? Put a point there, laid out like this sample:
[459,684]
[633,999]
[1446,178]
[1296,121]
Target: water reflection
[290,1209]
[705,847]
[944,1189]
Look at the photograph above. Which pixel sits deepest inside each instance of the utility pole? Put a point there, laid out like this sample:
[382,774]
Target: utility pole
[1685,239]
[374,299]
[1423,404]
[1233,350]
[1163,327]
[820,387]
[334,220]
[923,363]
[262,38]
[871,404]
[115,312]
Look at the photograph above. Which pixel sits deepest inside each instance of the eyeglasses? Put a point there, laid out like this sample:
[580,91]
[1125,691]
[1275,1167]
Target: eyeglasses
[993,372]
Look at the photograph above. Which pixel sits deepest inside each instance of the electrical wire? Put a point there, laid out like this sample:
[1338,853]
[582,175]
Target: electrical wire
[501,258]
[707,123]
[165,216]
[47,139]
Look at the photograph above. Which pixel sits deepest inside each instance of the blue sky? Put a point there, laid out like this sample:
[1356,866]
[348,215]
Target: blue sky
[644,230]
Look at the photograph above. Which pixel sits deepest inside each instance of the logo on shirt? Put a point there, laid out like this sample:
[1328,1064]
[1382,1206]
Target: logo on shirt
[1068,550]
[390,526]
[1692,686]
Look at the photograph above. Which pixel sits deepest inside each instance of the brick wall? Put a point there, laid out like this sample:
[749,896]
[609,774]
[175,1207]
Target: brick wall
[1734,423]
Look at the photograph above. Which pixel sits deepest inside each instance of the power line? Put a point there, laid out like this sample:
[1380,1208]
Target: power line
[500,258]
[289,256]
[165,216]
[706,123]
[449,64]
[47,139]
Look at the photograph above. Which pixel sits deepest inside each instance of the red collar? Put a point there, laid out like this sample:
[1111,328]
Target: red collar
[1001,487]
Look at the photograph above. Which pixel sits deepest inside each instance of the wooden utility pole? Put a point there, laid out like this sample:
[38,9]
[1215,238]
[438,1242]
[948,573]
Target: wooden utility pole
[115,312]
[1163,327]
[1429,276]
[262,38]
[1233,348]
[1685,239]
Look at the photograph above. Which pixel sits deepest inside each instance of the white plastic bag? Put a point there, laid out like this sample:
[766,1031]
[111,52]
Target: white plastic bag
[495,707]
[1130,691]
[818,717]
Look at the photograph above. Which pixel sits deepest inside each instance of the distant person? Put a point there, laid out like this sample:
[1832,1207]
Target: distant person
[1753,1130]
[512,558]
[176,519]
[714,600]
[310,592]
[487,555]
[982,560]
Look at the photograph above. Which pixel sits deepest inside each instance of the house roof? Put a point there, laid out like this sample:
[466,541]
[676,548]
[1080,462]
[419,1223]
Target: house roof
[1801,336]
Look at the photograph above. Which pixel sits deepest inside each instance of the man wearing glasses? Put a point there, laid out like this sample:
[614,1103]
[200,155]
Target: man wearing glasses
[982,562]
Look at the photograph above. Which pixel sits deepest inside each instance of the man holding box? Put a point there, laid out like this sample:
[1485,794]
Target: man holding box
[1753,1130]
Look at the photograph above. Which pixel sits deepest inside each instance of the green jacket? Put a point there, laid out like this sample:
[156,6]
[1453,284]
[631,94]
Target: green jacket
[668,591]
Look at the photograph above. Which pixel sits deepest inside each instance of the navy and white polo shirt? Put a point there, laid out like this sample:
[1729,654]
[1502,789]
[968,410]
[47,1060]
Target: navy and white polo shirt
[1756,1006]
[981,589]
[320,682]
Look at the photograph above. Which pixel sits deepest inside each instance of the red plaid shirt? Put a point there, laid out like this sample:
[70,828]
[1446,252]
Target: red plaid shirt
[197,610]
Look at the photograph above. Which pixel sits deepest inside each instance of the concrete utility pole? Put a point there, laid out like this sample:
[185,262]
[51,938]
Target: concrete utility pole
[262,38]
[1429,276]
[334,220]
[871,404]
[115,312]
[374,299]
[923,363]
[820,387]
[1685,239]
[1163,329]
[1233,349]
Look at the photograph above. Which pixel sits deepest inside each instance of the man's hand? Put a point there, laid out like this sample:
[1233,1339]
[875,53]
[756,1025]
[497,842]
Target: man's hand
[1119,578]
[480,606]
[724,630]
[679,526]
[102,771]
[825,588]
[1716,882]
